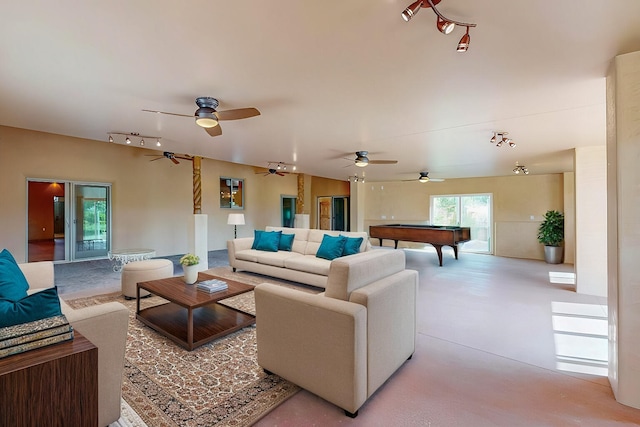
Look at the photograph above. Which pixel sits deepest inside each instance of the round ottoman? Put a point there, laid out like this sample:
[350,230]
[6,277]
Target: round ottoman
[142,271]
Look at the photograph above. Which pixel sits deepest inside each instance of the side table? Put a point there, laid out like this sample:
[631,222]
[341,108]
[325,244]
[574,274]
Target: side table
[55,385]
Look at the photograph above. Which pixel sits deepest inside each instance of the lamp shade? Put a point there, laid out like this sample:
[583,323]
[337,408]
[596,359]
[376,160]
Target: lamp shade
[235,219]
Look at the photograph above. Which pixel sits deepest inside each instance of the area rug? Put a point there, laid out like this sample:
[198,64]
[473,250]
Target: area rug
[218,384]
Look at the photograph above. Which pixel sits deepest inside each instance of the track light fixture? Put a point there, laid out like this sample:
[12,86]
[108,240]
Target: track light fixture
[444,25]
[520,168]
[500,138]
[280,166]
[128,136]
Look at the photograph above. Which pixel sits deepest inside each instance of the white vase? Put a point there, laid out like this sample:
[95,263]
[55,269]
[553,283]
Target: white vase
[190,274]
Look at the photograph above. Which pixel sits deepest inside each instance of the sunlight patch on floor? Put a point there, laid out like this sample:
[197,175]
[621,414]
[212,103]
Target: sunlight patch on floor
[580,333]
[562,277]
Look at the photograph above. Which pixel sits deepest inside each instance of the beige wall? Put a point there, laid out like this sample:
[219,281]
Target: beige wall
[623,238]
[515,200]
[151,201]
[591,220]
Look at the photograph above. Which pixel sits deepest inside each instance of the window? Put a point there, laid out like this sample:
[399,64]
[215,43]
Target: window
[468,210]
[231,193]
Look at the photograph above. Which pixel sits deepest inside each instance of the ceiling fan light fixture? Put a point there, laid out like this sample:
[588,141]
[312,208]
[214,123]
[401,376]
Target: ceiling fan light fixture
[413,8]
[206,118]
[444,26]
[423,179]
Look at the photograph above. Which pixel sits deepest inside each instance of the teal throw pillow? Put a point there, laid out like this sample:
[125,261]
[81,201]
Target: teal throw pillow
[269,241]
[352,246]
[331,247]
[13,284]
[286,242]
[41,305]
[256,238]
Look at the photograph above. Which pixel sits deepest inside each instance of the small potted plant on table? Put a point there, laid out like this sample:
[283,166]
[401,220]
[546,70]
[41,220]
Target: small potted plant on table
[189,264]
[551,235]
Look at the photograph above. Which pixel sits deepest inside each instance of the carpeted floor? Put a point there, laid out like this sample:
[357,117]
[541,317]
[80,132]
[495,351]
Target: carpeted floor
[218,384]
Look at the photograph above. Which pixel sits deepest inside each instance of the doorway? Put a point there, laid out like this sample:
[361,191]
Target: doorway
[333,213]
[67,221]
[288,210]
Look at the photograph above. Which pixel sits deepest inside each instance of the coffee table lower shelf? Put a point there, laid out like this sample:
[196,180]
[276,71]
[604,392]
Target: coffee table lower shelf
[207,324]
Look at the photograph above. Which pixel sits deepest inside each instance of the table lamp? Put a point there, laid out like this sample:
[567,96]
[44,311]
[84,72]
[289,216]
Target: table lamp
[235,219]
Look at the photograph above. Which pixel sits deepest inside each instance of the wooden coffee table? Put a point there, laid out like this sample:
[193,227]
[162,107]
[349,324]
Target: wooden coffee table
[192,317]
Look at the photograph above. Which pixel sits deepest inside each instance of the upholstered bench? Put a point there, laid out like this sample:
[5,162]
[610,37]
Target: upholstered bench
[142,271]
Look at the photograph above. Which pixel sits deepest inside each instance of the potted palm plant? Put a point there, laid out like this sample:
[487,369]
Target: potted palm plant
[551,235]
[189,264]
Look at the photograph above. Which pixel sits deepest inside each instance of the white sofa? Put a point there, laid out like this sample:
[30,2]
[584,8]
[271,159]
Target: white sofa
[343,344]
[105,325]
[300,265]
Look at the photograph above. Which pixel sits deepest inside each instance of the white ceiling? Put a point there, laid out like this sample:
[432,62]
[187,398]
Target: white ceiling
[329,77]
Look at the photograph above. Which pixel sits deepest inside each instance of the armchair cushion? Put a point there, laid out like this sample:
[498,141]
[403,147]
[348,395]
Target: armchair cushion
[13,284]
[39,305]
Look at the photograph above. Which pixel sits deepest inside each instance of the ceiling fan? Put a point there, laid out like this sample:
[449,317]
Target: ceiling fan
[207,116]
[170,156]
[424,177]
[272,171]
[362,160]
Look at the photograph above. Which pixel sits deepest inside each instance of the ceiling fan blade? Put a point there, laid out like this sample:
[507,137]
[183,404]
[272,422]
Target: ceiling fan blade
[184,157]
[239,113]
[174,160]
[157,158]
[171,114]
[214,131]
[436,179]
[279,173]
[383,162]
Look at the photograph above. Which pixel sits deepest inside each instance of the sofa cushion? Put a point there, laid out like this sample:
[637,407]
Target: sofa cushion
[13,284]
[352,245]
[308,264]
[39,305]
[286,242]
[331,247]
[269,241]
[276,259]
[256,238]
[250,255]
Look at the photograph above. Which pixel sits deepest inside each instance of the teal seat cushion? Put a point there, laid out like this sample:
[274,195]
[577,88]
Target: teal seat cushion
[40,305]
[256,238]
[331,247]
[13,284]
[286,242]
[269,241]
[352,246]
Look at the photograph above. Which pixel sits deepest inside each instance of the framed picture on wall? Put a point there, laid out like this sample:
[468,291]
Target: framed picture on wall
[231,193]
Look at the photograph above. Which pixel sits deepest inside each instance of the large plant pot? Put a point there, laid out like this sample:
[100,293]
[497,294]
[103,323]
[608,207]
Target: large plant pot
[553,254]
[190,274]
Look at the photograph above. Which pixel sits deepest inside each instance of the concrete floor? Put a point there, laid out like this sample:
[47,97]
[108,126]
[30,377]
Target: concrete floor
[498,345]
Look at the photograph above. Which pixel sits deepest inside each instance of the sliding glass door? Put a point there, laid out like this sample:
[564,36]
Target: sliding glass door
[68,220]
[91,220]
[467,210]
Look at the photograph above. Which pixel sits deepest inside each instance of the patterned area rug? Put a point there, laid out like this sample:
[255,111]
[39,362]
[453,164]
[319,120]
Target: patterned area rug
[218,384]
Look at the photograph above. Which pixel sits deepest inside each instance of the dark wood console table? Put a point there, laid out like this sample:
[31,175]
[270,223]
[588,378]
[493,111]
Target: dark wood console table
[51,386]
